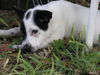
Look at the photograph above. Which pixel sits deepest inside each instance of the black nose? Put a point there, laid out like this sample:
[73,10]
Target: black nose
[26,48]
[34,31]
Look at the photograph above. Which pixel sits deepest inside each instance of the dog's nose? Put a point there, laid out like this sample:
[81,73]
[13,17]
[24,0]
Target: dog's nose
[26,48]
[34,31]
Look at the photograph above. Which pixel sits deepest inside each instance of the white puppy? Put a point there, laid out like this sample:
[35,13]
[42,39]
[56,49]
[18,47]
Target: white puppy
[45,23]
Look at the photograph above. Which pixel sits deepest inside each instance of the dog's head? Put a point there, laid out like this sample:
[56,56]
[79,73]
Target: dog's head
[34,26]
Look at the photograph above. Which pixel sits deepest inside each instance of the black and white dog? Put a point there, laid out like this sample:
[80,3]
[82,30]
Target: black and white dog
[45,23]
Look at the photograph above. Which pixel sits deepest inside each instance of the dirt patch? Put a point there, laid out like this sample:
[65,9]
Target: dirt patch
[6,47]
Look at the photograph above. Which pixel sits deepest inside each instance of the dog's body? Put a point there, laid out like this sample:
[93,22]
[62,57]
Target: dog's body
[53,21]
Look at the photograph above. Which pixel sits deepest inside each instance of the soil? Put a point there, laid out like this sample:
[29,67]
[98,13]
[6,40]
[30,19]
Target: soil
[5,47]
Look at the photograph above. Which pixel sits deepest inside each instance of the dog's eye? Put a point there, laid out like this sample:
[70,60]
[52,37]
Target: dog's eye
[34,31]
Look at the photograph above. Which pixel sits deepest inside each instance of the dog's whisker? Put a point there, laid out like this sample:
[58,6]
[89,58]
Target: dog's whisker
[38,2]
[41,2]
[33,2]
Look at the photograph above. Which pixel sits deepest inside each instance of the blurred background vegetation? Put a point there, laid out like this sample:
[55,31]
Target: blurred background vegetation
[25,4]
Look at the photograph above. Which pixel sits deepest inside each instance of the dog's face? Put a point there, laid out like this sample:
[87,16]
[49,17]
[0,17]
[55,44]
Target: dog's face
[35,27]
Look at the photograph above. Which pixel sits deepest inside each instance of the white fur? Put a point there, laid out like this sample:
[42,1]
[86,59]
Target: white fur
[65,14]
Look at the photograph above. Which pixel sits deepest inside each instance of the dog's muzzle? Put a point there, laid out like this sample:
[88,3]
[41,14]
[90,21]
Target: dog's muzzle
[26,48]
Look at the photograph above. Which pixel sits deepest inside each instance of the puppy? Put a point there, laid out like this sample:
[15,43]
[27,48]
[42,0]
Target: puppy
[44,23]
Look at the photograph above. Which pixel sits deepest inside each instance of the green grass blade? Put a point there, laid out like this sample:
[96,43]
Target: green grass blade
[1,20]
[52,68]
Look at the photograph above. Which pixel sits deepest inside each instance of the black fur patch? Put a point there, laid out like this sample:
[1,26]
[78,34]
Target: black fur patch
[42,18]
[26,49]
[28,14]
[23,30]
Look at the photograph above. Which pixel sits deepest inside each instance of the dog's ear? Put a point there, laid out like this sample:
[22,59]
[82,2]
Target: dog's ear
[42,18]
[43,15]
[20,12]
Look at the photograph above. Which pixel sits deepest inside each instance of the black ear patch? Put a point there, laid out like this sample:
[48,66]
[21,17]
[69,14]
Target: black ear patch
[41,18]
[23,30]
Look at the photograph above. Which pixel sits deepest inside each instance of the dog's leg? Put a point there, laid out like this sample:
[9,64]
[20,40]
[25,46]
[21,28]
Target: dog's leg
[10,32]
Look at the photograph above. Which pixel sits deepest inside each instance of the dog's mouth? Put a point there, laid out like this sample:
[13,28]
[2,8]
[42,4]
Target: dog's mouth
[28,49]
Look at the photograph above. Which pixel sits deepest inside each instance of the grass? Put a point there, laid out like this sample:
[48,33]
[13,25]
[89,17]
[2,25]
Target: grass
[3,21]
[67,57]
